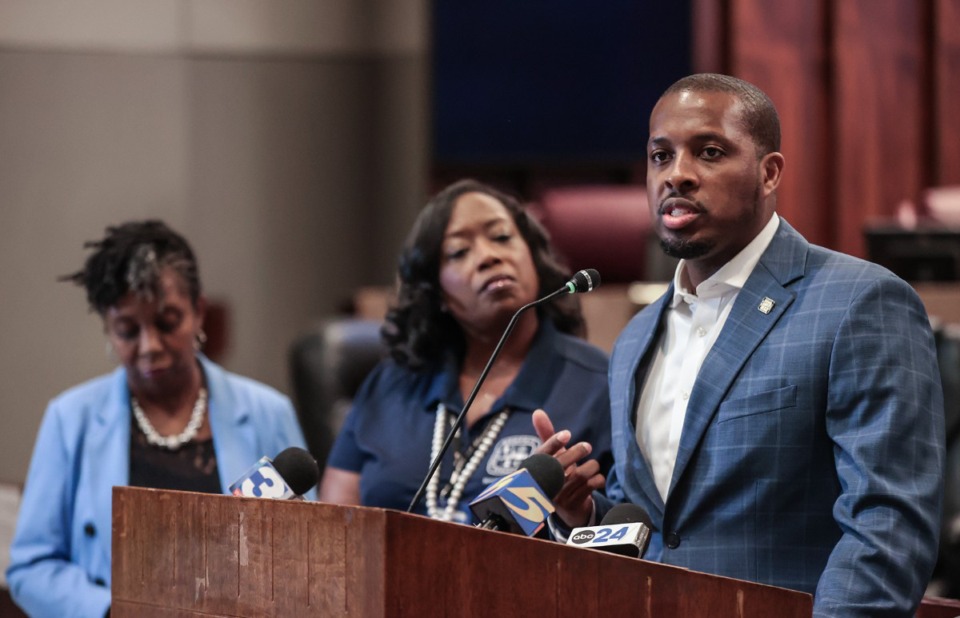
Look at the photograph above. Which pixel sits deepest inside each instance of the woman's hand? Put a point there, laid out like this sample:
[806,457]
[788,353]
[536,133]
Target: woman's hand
[574,503]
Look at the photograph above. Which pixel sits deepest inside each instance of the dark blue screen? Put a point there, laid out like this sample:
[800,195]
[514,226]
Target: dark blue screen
[551,81]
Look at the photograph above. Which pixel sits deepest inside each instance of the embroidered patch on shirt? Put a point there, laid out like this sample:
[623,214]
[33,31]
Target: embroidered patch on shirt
[509,453]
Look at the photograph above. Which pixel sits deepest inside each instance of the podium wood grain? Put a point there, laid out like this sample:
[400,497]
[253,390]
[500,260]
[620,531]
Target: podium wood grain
[181,554]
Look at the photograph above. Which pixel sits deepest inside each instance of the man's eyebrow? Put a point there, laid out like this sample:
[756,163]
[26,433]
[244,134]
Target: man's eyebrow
[706,136]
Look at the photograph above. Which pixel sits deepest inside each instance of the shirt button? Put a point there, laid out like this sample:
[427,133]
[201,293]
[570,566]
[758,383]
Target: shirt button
[89,529]
[685,395]
[673,540]
[701,332]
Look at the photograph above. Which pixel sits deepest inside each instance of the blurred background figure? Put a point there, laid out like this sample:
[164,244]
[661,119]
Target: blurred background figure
[472,259]
[167,417]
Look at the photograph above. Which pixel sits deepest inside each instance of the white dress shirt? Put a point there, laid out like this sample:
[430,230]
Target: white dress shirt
[693,323]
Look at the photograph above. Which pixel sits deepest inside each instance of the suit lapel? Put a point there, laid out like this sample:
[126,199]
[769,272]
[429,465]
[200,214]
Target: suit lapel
[647,333]
[233,436]
[106,453]
[751,318]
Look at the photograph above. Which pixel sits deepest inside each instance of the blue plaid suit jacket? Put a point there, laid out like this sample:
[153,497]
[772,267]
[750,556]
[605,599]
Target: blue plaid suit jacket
[812,452]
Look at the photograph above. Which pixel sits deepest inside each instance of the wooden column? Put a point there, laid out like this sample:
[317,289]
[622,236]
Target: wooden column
[877,139]
[781,47]
[946,59]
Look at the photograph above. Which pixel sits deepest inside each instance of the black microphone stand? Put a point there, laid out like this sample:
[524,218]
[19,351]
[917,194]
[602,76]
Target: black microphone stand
[473,394]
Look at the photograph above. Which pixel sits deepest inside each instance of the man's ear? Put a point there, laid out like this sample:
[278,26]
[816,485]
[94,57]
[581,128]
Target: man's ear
[771,170]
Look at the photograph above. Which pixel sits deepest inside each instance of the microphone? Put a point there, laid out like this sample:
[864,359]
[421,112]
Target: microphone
[585,280]
[286,477]
[625,531]
[520,501]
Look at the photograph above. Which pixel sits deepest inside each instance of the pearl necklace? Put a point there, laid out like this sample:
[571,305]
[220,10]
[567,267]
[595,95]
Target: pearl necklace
[458,477]
[171,442]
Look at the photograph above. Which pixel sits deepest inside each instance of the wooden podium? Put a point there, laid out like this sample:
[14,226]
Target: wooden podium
[186,554]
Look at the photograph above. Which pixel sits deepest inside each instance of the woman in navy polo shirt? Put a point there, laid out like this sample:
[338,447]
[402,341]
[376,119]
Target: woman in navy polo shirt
[472,259]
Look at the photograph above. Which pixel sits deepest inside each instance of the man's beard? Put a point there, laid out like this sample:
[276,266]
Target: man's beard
[684,249]
[693,249]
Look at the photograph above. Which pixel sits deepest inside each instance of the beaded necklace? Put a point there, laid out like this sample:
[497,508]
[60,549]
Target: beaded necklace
[463,469]
[171,442]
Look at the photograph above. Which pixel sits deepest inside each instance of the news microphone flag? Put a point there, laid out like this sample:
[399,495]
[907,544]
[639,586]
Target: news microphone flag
[262,480]
[515,503]
[623,539]
[625,530]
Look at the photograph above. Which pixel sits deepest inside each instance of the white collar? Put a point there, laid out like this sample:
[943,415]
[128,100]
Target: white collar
[733,275]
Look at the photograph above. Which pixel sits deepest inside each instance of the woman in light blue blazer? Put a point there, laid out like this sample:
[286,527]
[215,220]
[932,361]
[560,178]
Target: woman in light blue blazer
[167,418]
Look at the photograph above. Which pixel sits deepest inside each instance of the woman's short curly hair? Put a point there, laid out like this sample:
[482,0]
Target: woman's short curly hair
[131,257]
[417,331]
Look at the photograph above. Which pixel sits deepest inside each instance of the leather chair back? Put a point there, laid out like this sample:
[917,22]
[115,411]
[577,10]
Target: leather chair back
[327,367]
[607,227]
[946,576]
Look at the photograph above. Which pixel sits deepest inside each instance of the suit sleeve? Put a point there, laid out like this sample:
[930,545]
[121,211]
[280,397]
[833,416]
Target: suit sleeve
[43,580]
[885,418]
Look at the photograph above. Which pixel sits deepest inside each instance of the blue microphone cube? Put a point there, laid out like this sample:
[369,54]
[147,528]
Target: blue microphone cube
[516,499]
[262,481]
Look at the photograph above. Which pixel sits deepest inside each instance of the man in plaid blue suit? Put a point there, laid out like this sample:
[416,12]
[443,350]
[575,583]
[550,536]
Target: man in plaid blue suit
[778,412]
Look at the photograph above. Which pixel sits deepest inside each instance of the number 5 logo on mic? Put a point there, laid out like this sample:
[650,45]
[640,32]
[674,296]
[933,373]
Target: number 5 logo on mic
[518,499]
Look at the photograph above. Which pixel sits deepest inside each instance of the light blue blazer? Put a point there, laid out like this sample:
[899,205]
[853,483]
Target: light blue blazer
[60,556]
[812,452]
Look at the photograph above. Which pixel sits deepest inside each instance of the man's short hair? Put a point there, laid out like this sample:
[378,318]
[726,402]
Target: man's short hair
[760,117]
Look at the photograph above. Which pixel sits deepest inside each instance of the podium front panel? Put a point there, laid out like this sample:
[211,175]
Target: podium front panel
[182,554]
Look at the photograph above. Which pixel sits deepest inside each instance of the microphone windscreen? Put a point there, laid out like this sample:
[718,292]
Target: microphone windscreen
[586,280]
[298,468]
[625,530]
[546,471]
[626,514]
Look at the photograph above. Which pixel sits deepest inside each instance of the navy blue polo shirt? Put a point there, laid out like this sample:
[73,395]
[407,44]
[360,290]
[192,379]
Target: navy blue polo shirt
[387,434]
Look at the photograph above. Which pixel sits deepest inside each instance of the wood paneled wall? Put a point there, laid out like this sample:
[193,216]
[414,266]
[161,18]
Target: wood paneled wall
[946,61]
[867,92]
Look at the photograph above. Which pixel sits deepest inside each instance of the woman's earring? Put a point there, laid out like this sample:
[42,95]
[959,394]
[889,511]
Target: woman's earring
[200,339]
